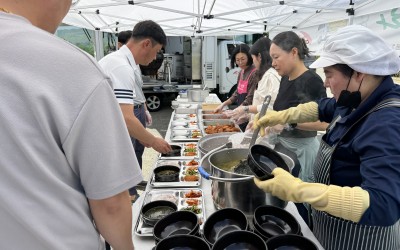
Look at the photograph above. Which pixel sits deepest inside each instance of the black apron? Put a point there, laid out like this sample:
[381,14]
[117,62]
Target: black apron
[338,234]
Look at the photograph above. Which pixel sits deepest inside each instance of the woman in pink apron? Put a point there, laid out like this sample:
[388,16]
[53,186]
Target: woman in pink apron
[355,199]
[247,80]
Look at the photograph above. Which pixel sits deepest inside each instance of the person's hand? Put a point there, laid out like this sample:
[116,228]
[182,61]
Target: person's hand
[344,202]
[250,125]
[147,145]
[160,145]
[242,119]
[238,112]
[219,108]
[307,112]
[149,119]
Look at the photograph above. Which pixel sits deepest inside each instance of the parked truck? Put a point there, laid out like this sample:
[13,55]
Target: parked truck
[188,62]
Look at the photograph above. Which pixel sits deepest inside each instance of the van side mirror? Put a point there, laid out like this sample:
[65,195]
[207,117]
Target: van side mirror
[227,69]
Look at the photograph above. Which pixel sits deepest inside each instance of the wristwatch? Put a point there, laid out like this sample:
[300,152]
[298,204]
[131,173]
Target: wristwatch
[246,109]
[293,125]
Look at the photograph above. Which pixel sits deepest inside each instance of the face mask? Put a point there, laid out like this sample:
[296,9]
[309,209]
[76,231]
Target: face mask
[350,99]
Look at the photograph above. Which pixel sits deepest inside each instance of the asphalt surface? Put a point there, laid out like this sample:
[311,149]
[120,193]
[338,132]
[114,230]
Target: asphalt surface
[162,117]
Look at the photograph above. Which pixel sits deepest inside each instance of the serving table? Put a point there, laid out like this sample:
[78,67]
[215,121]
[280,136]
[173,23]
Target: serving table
[147,243]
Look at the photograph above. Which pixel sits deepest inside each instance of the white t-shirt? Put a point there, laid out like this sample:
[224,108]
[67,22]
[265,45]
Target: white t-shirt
[268,85]
[63,140]
[126,76]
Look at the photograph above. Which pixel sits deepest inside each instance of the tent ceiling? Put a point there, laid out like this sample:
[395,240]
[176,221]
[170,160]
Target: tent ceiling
[214,17]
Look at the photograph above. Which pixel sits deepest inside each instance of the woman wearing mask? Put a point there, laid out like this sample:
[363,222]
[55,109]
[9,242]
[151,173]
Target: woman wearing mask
[356,198]
[268,82]
[246,82]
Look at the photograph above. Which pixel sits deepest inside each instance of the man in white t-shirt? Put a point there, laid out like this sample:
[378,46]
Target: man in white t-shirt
[66,160]
[123,68]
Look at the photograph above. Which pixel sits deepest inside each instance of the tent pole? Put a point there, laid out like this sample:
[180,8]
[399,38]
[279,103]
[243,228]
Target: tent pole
[98,44]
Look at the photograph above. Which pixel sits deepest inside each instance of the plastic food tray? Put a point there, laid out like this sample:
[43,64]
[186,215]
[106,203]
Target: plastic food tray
[175,195]
[184,152]
[182,164]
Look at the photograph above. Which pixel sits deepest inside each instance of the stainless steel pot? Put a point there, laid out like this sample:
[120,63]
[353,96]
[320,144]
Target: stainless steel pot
[197,95]
[237,190]
[212,141]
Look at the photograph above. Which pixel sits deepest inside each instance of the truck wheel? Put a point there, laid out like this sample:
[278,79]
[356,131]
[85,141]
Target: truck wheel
[153,102]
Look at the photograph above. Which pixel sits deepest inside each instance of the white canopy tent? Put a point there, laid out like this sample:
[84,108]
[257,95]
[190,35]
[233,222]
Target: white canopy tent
[313,19]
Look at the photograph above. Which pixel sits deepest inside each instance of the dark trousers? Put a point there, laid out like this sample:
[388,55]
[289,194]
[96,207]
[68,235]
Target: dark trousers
[140,114]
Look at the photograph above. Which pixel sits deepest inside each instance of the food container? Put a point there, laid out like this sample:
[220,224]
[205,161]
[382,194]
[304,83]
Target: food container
[214,116]
[240,240]
[185,199]
[211,141]
[179,222]
[186,134]
[198,95]
[181,151]
[166,173]
[270,221]
[291,241]
[222,222]
[182,242]
[188,174]
[156,210]
[227,193]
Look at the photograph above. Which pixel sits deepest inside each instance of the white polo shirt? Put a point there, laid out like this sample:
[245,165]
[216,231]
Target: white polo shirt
[126,76]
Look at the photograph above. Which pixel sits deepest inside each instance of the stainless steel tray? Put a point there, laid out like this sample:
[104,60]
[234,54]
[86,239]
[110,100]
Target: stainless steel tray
[174,195]
[214,116]
[183,165]
[186,135]
[188,151]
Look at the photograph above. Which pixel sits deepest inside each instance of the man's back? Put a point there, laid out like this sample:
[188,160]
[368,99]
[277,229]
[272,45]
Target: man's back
[57,149]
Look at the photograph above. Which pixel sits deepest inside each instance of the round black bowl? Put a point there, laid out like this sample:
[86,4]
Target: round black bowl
[262,160]
[222,222]
[156,210]
[270,221]
[179,222]
[291,241]
[176,151]
[187,242]
[166,173]
[240,240]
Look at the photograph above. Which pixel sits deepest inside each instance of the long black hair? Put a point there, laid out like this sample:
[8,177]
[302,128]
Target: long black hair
[241,48]
[261,47]
[288,40]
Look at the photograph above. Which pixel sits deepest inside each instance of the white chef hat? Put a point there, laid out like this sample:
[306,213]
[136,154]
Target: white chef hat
[361,50]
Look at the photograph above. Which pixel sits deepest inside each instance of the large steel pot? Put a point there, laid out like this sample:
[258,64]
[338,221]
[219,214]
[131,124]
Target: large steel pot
[236,190]
[212,141]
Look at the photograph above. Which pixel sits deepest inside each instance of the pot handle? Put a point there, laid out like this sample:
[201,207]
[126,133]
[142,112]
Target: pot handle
[207,176]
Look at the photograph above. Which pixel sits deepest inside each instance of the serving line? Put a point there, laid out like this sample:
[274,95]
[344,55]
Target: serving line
[147,243]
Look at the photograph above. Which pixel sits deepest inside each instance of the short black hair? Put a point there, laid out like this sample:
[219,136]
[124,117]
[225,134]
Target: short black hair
[288,40]
[124,36]
[149,29]
[241,48]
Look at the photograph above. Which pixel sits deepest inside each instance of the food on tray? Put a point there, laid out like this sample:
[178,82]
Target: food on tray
[165,197]
[192,163]
[190,152]
[192,115]
[213,129]
[194,209]
[192,168]
[196,134]
[193,194]
[190,145]
[192,202]
[191,175]
[193,123]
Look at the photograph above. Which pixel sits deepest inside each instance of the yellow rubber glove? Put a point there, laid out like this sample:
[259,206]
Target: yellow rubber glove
[344,202]
[306,112]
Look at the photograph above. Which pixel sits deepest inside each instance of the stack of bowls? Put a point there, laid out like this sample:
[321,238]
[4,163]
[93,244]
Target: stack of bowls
[270,221]
[177,223]
[223,222]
